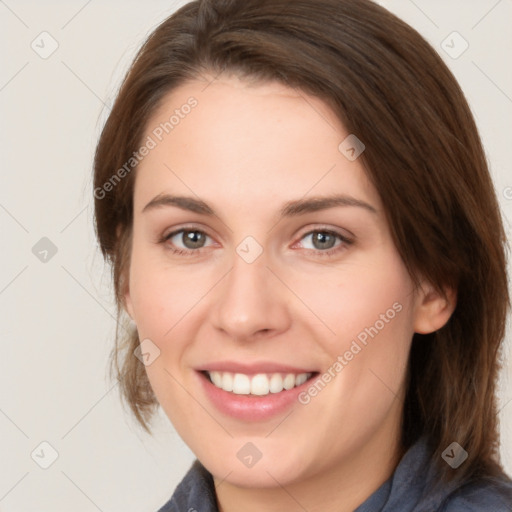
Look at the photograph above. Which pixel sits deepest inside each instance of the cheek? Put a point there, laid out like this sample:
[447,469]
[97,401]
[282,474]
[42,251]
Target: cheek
[160,295]
[375,329]
[163,300]
[360,300]
[368,309]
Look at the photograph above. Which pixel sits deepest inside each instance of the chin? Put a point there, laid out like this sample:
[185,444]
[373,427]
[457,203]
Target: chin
[242,465]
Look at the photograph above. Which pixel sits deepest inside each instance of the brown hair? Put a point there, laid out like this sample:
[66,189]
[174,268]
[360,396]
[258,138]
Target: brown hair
[423,154]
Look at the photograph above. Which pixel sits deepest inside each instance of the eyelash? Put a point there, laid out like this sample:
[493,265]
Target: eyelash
[327,253]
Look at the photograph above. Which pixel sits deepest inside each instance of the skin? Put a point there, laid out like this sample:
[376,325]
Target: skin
[246,150]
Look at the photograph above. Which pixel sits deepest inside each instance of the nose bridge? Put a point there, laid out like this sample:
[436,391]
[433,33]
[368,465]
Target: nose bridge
[250,298]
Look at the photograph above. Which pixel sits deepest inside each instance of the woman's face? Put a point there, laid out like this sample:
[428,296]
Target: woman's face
[271,285]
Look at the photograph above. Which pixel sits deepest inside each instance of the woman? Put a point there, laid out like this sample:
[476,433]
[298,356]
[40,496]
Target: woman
[304,233]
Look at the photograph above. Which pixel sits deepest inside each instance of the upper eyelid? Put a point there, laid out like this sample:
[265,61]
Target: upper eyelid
[174,232]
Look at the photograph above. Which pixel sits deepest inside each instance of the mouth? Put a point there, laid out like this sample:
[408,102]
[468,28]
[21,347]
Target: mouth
[260,384]
[253,392]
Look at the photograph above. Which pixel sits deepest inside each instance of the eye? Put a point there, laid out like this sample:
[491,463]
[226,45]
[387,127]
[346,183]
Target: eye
[324,242]
[190,242]
[186,241]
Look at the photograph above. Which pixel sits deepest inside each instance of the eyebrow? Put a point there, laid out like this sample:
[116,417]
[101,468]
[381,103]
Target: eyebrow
[290,209]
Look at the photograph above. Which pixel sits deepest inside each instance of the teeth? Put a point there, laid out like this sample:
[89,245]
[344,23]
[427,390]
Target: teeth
[216,378]
[227,381]
[276,383]
[241,384]
[260,384]
[300,379]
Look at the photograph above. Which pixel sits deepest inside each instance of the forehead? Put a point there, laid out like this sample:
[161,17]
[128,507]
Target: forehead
[225,139]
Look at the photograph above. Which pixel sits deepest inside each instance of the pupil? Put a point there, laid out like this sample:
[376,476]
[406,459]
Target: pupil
[193,239]
[323,238]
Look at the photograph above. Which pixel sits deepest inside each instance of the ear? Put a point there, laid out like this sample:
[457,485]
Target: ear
[433,309]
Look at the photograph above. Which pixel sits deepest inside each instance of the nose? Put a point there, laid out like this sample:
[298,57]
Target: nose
[250,302]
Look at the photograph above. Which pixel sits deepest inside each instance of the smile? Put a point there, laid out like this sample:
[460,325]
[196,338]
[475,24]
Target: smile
[253,391]
[260,384]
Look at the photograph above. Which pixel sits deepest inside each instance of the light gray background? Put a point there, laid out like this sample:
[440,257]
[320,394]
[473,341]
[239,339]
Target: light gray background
[58,316]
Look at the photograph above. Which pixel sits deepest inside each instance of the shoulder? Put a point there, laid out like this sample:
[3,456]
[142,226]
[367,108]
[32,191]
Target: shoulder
[195,493]
[486,495]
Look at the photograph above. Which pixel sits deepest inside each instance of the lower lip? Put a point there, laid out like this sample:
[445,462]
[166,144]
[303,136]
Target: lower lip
[251,407]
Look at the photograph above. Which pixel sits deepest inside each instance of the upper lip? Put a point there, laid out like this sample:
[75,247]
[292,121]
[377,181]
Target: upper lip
[252,368]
